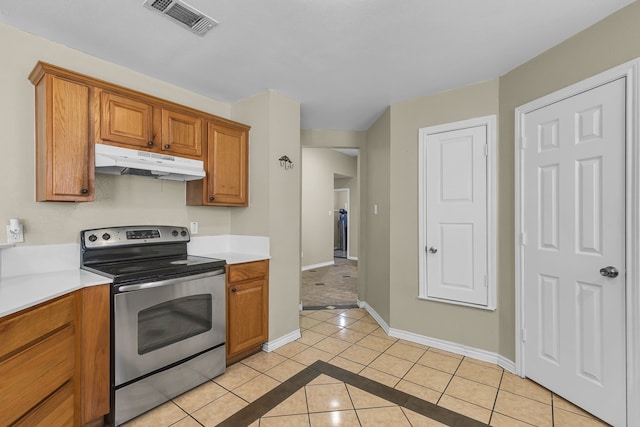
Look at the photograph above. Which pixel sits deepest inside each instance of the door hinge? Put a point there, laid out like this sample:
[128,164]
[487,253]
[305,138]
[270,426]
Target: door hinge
[523,238]
[523,334]
[486,150]
[523,142]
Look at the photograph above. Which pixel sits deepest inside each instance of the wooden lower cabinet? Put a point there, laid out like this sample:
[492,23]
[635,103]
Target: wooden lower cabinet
[247,309]
[48,376]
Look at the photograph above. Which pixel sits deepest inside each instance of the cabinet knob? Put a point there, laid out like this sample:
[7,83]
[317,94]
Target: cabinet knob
[150,143]
[167,146]
[211,198]
[233,290]
[84,191]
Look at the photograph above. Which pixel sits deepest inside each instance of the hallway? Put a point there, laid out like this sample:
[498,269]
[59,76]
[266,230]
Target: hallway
[335,285]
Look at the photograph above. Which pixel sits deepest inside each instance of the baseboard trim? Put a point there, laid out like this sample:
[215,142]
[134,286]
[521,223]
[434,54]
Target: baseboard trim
[283,340]
[375,315]
[322,264]
[464,350]
[353,258]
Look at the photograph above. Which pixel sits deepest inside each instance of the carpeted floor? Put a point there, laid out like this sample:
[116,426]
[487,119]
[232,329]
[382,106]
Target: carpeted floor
[335,285]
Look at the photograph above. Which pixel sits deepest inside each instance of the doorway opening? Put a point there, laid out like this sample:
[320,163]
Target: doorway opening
[330,217]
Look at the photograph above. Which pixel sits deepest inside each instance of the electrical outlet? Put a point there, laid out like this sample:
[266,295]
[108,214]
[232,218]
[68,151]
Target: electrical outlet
[194,227]
[15,237]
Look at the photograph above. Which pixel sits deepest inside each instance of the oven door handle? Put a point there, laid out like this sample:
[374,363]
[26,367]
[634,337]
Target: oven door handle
[149,285]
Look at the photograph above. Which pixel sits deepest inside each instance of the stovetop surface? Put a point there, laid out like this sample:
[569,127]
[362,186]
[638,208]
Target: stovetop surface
[157,265]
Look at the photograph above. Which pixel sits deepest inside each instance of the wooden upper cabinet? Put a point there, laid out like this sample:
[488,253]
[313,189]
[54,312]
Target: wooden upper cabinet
[181,133]
[64,149]
[134,123]
[73,112]
[227,162]
[126,121]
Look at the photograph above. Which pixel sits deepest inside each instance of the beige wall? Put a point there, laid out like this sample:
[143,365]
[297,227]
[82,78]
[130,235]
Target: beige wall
[274,208]
[470,326]
[607,44]
[376,227]
[611,42]
[318,168]
[119,200]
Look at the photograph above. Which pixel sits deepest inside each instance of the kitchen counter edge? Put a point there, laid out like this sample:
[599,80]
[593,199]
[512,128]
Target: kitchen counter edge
[20,292]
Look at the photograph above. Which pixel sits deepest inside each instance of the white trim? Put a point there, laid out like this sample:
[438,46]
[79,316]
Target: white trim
[463,350]
[322,264]
[490,123]
[352,258]
[283,340]
[630,72]
[375,315]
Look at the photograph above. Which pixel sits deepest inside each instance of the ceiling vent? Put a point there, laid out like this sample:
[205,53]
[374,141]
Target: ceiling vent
[183,14]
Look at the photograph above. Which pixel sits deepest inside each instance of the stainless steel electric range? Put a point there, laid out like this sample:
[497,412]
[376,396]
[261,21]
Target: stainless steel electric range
[168,313]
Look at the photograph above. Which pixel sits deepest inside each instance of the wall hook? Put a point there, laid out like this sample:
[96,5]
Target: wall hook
[286,162]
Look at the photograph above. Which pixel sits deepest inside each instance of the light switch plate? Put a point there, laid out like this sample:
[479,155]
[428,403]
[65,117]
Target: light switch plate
[194,227]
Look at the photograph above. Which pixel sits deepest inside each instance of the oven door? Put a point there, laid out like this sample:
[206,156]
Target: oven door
[161,323]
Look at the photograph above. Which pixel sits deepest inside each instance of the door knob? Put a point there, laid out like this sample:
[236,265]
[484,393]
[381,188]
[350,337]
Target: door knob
[609,272]
[433,250]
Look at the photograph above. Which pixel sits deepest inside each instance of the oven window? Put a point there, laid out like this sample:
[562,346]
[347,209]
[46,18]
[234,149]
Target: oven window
[173,321]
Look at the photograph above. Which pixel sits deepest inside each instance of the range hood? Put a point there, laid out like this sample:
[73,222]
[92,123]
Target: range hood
[124,161]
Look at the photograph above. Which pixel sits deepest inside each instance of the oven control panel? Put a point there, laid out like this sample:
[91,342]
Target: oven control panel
[133,235]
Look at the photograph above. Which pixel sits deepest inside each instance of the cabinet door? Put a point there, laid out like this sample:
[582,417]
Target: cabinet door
[247,316]
[33,374]
[64,153]
[227,163]
[55,411]
[181,134]
[126,121]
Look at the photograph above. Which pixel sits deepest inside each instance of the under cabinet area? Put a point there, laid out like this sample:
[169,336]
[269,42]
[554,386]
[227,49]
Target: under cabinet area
[226,163]
[54,361]
[247,309]
[74,111]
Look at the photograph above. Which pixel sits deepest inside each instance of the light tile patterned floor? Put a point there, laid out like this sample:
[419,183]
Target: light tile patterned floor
[352,340]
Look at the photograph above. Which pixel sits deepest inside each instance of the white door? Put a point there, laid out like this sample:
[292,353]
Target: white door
[456,215]
[573,174]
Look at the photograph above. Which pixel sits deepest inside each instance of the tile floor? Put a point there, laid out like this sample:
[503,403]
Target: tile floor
[351,340]
[335,285]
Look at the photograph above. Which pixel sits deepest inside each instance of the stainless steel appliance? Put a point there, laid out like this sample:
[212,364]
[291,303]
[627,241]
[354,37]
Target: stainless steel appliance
[168,314]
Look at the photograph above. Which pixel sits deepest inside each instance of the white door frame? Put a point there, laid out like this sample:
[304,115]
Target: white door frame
[348,216]
[630,71]
[423,133]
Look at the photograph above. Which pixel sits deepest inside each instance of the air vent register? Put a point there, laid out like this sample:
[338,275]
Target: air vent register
[183,14]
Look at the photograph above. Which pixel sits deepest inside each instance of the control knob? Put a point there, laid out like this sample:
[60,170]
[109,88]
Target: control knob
[93,238]
[183,233]
[106,236]
[174,233]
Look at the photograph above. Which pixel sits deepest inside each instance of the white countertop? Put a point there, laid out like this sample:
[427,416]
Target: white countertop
[30,275]
[20,292]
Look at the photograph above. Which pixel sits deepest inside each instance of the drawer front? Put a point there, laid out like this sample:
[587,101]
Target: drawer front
[247,271]
[24,328]
[55,411]
[32,375]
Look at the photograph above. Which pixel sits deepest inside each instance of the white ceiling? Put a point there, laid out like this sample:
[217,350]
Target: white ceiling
[345,61]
